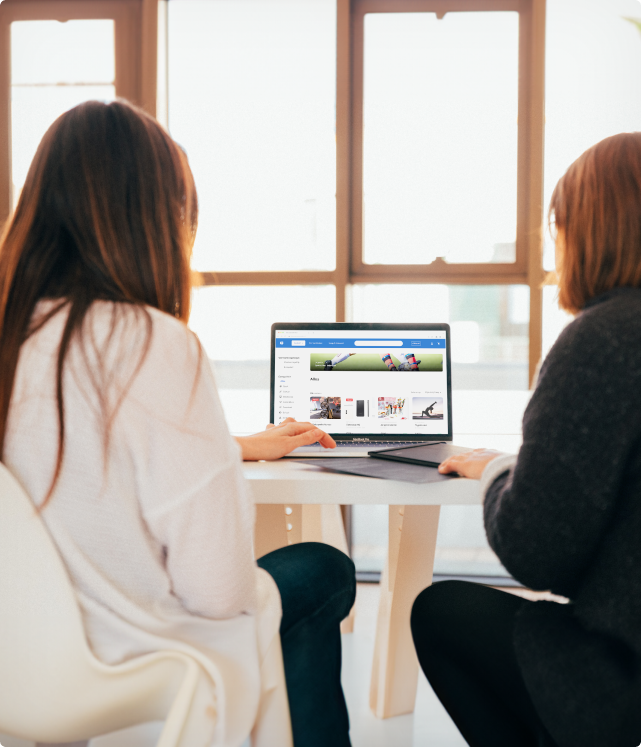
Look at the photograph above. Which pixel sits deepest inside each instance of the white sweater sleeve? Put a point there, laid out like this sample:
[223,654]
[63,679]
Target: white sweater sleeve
[494,469]
[192,493]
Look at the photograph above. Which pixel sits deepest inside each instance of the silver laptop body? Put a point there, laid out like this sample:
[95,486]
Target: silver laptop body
[371,386]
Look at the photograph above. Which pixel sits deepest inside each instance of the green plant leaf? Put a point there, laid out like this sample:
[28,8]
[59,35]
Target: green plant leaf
[635,22]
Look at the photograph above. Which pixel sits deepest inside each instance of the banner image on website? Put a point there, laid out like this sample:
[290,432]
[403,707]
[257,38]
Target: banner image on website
[398,360]
[427,408]
[325,408]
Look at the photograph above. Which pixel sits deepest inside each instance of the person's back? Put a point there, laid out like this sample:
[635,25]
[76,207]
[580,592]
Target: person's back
[110,419]
[568,519]
[564,515]
[168,468]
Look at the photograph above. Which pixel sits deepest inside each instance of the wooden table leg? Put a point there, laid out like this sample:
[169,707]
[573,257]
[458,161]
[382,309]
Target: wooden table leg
[408,570]
[270,530]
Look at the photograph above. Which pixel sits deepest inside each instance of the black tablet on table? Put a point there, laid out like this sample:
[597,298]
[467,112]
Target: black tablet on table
[429,455]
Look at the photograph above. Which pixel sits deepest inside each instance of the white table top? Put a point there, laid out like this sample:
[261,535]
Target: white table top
[289,482]
[483,419]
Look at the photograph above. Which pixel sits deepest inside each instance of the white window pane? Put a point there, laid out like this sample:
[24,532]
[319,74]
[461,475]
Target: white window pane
[33,109]
[234,322]
[79,51]
[593,75]
[252,88]
[440,137]
[489,326]
[461,545]
[54,67]
[223,315]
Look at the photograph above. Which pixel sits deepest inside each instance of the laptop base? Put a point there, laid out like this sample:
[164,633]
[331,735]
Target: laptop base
[349,449]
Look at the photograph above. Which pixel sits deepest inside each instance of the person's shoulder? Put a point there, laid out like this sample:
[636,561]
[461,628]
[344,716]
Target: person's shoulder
[145,346]
[607,331]
[618,306]
[172,348]
[136,314]
[166,371]
[610,319]
[172,332]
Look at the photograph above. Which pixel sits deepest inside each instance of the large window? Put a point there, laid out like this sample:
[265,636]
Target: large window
[371,146]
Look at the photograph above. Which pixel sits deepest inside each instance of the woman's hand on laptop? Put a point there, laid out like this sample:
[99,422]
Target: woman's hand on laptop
[278,440]
[471,464]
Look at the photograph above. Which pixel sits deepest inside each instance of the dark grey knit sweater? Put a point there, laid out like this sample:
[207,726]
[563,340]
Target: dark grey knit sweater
[567,517]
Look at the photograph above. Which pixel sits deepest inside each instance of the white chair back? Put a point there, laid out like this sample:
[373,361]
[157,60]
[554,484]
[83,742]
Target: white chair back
[52,688]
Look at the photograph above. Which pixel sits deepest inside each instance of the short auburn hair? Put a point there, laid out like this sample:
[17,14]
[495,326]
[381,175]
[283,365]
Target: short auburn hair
[596,207]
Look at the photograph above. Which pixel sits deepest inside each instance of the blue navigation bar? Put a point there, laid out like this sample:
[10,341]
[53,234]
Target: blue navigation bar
[337,342]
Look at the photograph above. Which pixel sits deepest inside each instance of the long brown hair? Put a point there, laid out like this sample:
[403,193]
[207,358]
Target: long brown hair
[108,212]
[596,207]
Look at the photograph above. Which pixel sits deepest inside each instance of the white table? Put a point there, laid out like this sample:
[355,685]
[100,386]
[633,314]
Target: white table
[298,502]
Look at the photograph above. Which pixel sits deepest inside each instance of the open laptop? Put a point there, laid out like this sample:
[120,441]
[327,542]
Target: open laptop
[371,386]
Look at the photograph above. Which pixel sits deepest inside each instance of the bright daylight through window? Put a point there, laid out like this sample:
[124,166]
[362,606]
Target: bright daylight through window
[252,90]
[440,127]
[75,63]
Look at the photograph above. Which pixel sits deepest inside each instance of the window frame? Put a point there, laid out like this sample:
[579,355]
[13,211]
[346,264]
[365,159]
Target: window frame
[439,270]
[350,268]
[141,78]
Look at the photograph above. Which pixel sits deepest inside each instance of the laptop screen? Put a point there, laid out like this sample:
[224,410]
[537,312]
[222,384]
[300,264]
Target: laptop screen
[379,381]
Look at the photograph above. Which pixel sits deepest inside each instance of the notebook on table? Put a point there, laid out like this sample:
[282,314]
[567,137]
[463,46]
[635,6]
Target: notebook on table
[371,386]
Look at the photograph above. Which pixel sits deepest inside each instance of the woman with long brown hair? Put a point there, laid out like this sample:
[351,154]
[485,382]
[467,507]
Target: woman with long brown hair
[565,514]
[110,419]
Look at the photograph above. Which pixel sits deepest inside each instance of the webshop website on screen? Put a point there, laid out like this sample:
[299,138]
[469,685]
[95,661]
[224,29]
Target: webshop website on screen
[363,382]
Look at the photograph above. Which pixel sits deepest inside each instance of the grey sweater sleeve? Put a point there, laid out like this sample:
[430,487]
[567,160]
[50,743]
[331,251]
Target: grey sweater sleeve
[546,517]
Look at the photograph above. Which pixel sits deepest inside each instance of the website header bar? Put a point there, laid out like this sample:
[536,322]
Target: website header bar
[333,342]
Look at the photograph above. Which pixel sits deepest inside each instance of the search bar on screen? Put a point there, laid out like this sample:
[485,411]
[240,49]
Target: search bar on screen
[378,343]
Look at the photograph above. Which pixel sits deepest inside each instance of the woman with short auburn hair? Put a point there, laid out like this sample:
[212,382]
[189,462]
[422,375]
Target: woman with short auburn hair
[110,420]
[565,514]
[595,211]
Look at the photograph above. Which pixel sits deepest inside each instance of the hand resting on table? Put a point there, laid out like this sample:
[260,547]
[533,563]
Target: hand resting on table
[470,464]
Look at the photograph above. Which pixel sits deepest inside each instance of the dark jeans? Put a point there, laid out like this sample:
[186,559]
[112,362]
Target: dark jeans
[463,638]
[317,585]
